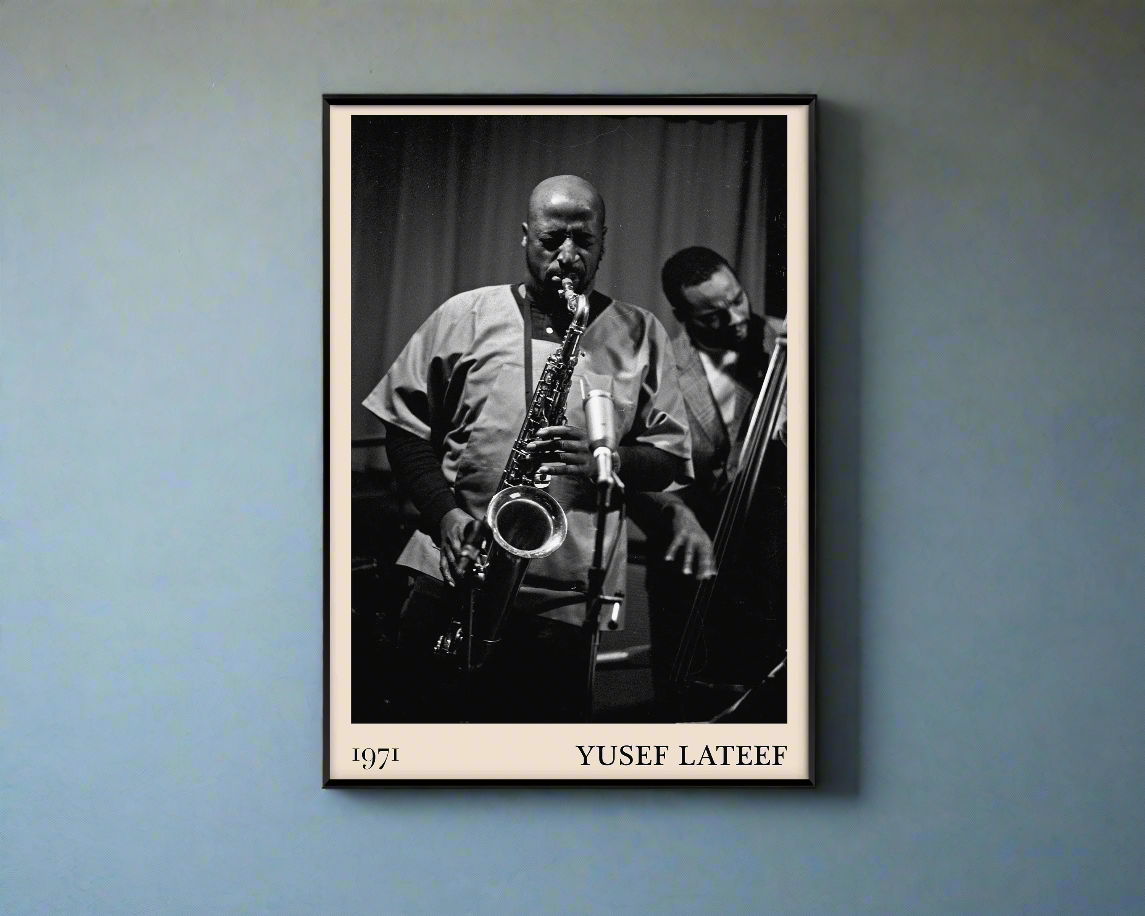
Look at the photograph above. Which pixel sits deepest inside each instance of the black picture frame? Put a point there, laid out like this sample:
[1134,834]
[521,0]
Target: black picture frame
[369,750]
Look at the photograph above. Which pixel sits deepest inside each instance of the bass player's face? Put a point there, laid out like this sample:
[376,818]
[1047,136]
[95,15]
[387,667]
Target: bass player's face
[719,312]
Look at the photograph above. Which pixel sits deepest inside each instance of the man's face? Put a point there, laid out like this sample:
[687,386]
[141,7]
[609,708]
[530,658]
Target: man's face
[718,311]
[564,237]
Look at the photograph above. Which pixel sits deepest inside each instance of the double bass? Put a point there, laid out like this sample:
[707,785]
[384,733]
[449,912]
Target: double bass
[731,661]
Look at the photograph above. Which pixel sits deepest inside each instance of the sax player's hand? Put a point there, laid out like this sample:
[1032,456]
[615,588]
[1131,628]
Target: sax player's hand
[453,529]
[563,450]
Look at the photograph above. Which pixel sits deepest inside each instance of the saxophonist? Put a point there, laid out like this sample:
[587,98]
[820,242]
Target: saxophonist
[453,403]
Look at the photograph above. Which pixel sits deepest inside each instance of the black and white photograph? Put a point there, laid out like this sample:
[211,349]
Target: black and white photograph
[569,440]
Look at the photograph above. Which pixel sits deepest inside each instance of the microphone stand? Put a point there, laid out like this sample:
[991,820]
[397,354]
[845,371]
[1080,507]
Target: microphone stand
[594,596]
[477,535]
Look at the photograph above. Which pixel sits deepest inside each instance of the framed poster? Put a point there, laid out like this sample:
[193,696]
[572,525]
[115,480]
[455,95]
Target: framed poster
[568,440]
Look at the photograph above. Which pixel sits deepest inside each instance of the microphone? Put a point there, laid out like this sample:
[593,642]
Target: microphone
[600,415]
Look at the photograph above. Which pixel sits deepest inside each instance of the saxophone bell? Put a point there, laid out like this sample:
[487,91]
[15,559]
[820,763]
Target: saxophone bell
[527,522]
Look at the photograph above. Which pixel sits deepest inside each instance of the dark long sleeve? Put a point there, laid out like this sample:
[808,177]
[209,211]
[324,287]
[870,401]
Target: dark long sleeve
[418,473]
[645,467]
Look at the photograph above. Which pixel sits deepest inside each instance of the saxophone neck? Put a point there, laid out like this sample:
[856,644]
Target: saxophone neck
[577,305]
[580,313]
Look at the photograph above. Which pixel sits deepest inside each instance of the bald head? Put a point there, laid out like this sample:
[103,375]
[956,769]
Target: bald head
[563,235]
[567,193]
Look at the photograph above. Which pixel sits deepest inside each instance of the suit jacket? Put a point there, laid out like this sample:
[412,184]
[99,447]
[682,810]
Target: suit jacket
[715,449]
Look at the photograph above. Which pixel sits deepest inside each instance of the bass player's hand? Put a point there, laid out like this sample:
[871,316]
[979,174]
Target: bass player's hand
[692,543]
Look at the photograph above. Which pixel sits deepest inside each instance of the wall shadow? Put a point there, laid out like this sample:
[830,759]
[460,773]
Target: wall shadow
[837,359]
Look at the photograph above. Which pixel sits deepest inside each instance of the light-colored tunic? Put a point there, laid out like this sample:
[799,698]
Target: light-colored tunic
[459,383]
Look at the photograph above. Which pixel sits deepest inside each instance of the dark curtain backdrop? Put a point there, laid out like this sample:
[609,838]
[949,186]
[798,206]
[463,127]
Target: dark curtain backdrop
[438,203]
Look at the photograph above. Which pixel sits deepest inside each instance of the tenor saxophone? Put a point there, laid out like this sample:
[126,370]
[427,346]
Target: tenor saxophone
[523,522]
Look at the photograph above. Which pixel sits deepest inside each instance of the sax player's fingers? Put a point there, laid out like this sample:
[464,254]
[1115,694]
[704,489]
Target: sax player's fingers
[574,437]
[570,433]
